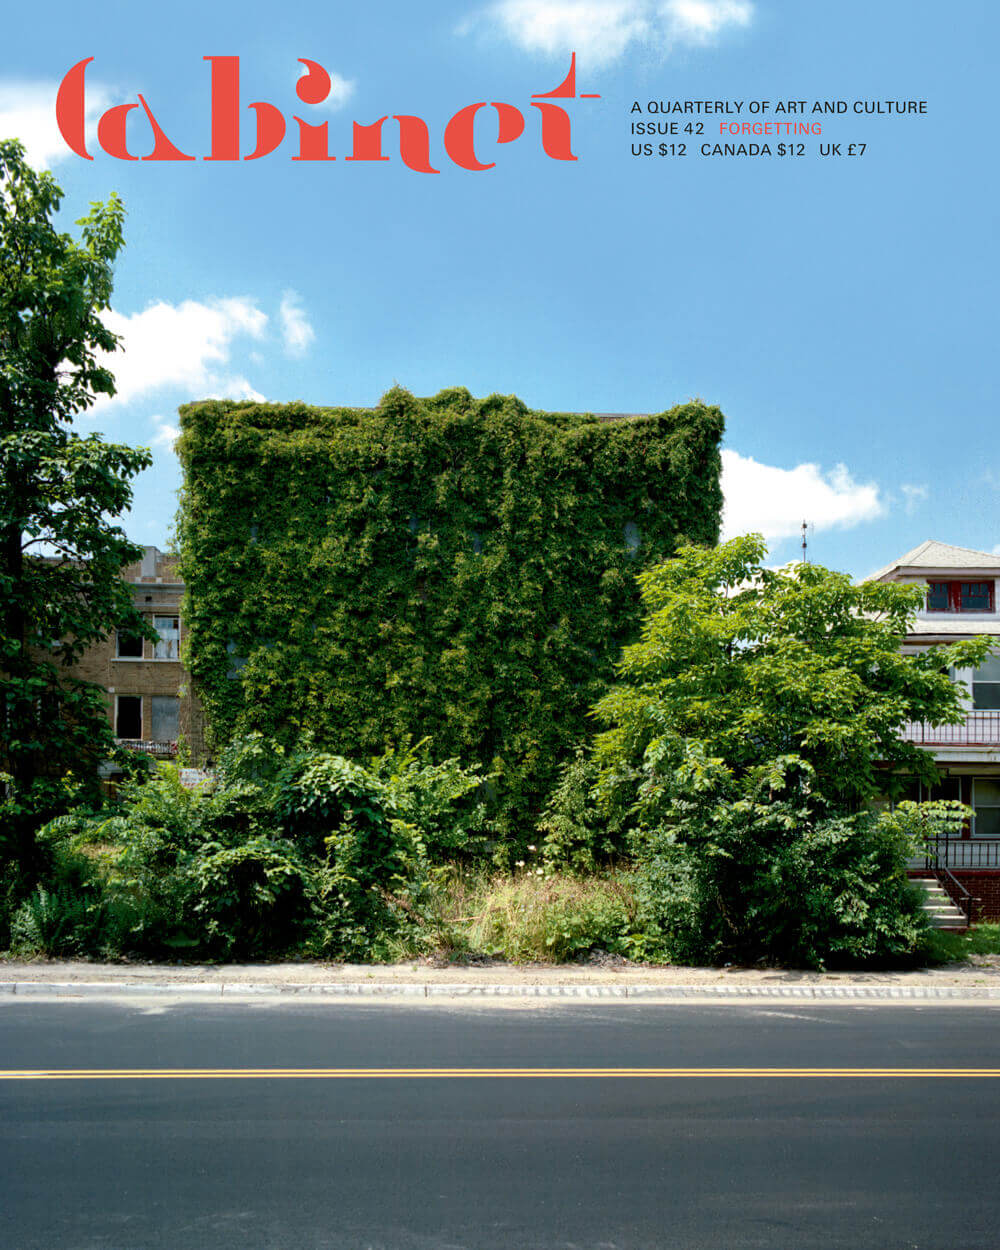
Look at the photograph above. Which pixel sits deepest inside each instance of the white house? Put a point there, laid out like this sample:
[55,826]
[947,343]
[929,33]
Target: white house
[963,601]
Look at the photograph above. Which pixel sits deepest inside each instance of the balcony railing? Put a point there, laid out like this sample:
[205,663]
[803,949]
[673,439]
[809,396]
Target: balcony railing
[147,747]
[959,853]
[978,729]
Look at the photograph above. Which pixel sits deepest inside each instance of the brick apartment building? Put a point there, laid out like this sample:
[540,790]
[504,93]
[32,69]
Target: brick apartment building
[151,705]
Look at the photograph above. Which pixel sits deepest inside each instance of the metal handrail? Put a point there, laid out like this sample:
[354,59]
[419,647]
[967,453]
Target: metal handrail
[970,854]
[147,746]
[950,883]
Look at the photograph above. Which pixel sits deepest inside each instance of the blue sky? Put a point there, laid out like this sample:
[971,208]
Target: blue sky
[841,311]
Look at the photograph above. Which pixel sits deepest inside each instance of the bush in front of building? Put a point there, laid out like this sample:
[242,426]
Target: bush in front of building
[749,874]
[303,852]
[754,722]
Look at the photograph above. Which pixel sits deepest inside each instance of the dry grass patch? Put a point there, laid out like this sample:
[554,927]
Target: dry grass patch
[528,917]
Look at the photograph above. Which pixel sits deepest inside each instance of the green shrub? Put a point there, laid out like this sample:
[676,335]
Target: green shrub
[758,877]
[243,802]
[159,802]
[322,794]
[340,815]
[576,832]
[251,901]
[755,719]
[443,803]
[52,923]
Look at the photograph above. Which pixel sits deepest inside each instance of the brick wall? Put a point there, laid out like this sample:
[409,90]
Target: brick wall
[985,889]
[157,591]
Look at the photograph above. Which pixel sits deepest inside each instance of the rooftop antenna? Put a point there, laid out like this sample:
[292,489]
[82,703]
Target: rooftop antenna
[805,528]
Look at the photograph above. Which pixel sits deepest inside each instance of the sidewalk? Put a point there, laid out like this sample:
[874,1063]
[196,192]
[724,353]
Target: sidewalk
[979,979]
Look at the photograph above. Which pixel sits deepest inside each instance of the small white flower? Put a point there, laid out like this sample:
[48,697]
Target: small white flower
[539,872]
[532,848]
[519,863]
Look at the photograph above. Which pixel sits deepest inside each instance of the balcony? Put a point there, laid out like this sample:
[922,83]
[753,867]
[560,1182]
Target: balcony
[959,853]
[147,747]
[979,729]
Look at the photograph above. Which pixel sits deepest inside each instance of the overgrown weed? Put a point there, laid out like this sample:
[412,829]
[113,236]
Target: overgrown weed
[527,917]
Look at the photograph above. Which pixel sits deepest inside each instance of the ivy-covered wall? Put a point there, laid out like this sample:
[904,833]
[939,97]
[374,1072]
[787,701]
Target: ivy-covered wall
[450,567]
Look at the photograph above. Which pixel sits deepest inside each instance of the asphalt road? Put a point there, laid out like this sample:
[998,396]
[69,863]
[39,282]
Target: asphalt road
[392,1161]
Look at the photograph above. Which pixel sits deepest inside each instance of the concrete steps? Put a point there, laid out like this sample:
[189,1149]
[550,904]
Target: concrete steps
[938,906]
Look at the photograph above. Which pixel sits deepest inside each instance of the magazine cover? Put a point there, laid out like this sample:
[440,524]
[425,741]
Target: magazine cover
[498,498]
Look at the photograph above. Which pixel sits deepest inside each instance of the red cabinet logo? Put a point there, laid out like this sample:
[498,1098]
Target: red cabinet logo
[232,133]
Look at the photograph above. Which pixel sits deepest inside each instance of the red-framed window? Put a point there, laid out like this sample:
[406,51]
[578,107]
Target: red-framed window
[960,596]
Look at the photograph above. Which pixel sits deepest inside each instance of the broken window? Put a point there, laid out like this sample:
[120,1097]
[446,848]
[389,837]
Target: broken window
[168,645]
[166,718]
[128,645]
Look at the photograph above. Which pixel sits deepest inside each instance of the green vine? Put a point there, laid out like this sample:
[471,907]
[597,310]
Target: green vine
[449,567]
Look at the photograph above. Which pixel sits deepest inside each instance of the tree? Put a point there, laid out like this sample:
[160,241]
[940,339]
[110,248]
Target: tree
[755,723]
[61,555]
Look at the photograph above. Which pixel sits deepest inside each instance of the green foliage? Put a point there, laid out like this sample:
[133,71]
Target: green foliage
[337,810]
[576,832]
[306,851]
[742,874]
[52,923]
[457,568]
[322,794]
[939,947]
[552,919]
[60,493]
[762,665]
[756,717]
[376,830]
[251,900]
[924,823]
[444,803]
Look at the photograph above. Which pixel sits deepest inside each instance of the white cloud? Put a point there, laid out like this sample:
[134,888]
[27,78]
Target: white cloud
[913,496]
[341,90]
[166,434]
[187,346]
[602,30]
[765,499]
[598,30]
[28,113]
[295,327]
[700,21]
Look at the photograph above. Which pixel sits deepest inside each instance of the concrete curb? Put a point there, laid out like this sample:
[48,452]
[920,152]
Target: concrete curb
[634,993]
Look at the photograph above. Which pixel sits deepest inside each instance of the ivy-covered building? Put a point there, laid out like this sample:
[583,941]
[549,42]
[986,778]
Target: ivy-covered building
[446,568]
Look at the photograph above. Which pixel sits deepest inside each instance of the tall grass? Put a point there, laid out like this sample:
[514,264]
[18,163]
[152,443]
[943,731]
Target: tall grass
[527,917]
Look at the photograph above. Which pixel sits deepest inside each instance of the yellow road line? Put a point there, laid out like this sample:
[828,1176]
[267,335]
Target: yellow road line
[393,1074]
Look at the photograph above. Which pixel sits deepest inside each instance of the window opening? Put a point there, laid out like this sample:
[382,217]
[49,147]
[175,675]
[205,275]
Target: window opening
[128,645]
[168,645]
[128,716]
